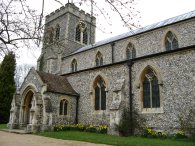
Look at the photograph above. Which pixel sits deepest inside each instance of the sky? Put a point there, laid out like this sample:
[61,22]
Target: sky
[151,11]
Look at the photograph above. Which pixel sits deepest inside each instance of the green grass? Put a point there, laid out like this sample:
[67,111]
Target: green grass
[115,140]
[3,126]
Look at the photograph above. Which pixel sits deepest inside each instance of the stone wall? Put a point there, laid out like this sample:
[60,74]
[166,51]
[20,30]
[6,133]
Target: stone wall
[83,84]
[175,73]
[145,44]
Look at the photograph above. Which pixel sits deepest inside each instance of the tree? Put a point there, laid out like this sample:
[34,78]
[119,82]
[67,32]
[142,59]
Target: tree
[19,25]
[21,72]
[106,9]
[7,85]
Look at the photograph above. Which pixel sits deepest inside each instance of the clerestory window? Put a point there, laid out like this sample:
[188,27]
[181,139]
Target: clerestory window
[171,41]
[99,59]
[130,52]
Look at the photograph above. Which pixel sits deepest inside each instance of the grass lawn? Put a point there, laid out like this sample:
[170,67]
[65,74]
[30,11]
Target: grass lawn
[115,140]
[3,126]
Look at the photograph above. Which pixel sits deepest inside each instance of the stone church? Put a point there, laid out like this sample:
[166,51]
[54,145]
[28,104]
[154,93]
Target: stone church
[78,80]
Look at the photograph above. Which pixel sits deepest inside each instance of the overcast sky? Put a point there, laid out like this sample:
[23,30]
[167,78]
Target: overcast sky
[151,11]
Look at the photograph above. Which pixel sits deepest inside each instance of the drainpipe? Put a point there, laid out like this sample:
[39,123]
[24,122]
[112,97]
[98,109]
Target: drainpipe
[112,45]
[130,63]
[77,109]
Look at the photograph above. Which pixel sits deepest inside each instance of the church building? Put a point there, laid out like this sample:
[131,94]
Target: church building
[150,70]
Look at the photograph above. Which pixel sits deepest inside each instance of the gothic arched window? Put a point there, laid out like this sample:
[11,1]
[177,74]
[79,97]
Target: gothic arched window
[57,35]
[100,94]
[99,59]
[81,33]
[151,93]
[171,41]
[74,65]
[63,107]
[130,52]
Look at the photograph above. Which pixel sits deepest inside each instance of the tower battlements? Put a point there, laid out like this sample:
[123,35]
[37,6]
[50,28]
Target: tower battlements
[70,8]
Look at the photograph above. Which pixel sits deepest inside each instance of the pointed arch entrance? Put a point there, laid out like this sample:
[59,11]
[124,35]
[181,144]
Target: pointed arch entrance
[28,108]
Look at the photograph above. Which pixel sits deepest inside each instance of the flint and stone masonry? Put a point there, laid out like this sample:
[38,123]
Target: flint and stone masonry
[63,92]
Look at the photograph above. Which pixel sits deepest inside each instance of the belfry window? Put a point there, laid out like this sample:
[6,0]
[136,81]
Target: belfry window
[85,36]
[151,94]
[171,41]
[99,59]
[74,65]
[100,94]
[81,33]
[57,35]
[63,107]
[130,52]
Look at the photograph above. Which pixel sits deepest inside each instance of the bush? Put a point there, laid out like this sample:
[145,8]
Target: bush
[180,134]
[81,127]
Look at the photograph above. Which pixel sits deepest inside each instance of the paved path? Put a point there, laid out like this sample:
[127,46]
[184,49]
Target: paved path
[12,139]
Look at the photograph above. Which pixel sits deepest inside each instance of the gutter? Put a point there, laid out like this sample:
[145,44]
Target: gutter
[129,64]
[77,109]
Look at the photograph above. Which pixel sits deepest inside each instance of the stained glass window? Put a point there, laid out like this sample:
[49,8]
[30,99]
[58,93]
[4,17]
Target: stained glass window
[151,94]
[100,95]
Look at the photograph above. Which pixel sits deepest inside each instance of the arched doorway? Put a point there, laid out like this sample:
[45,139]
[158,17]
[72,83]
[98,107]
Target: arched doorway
[28,104]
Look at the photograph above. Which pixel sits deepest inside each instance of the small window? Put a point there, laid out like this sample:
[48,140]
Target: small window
[171,41]
[74,65]
[57,37]
[100,94]
[151,95]
[99,59]
[130,52]
[63,107]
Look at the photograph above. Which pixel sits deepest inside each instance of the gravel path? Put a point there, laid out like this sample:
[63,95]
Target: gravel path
[12,139]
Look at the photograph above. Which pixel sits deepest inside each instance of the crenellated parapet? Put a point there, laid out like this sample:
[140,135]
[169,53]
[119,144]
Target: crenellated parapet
[70,8]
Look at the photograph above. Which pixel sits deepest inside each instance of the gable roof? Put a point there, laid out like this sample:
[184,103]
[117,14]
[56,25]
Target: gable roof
[57,84]
[157,25]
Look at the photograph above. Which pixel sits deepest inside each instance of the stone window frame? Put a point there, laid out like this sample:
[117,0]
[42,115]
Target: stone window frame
[139,85]
[100,84]
[99,59]
[167,39]
[81,33]
[64,101]
[57,32]
[92,93]
[49,35]
[130,51]
[74,65]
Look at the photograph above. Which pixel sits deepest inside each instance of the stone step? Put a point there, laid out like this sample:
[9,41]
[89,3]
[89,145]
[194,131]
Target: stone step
[18,131]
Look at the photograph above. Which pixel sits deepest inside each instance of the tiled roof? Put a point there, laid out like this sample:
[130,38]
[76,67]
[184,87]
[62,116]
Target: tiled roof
[138,31]
[57,84]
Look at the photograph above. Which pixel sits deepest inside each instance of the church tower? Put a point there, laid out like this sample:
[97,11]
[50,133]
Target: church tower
[66,30]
